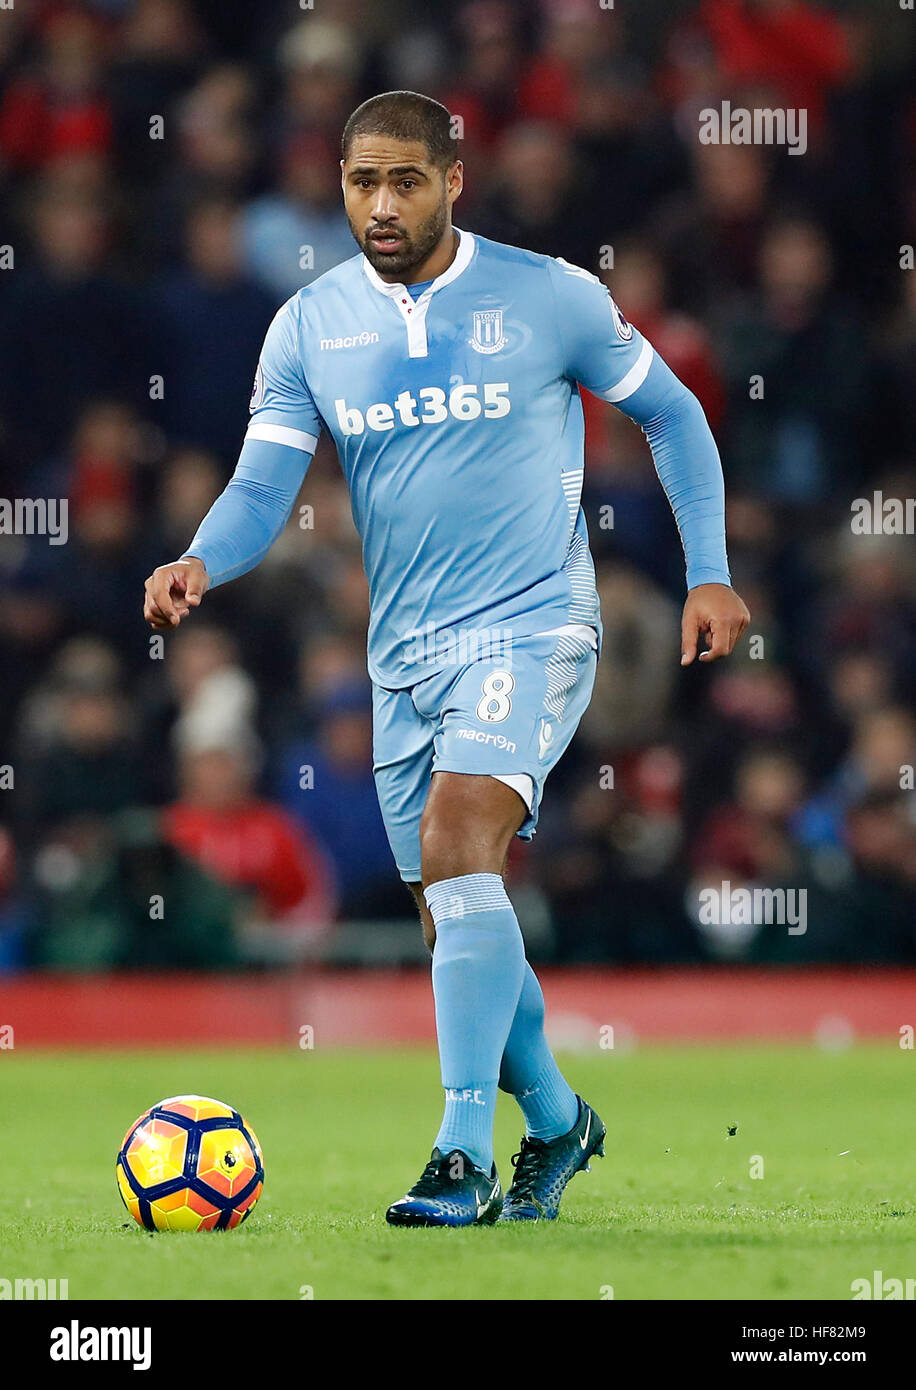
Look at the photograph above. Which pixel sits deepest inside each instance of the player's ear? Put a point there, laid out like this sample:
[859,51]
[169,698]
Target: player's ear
[454,180]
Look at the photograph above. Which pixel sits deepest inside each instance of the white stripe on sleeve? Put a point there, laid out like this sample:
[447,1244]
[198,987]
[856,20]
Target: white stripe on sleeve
[634,377]
[282,434]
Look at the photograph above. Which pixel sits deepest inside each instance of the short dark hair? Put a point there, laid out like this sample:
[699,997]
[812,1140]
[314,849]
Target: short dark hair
[405,116]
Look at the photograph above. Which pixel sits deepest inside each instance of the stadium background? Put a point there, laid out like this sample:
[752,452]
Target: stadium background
[146,271]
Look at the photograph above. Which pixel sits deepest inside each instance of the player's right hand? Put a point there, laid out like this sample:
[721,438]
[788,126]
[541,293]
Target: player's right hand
[173,590]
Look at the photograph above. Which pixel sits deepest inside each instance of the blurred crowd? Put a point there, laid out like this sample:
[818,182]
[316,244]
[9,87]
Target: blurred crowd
[168,176]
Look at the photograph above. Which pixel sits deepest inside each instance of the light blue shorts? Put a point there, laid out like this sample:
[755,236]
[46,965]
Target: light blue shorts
[510,717]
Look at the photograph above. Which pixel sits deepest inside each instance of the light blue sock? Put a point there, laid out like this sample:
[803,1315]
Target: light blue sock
[478,968]
[530,1073]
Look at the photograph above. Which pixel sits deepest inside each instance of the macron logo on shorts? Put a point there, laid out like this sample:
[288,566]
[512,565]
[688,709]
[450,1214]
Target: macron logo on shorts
[478,736]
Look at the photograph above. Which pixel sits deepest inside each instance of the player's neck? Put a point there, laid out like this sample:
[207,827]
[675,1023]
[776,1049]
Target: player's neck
[436,264]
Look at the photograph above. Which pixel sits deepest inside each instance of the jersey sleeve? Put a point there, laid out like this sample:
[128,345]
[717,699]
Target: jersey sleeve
[600,348]
[615,362]
[282,408]
[282,435]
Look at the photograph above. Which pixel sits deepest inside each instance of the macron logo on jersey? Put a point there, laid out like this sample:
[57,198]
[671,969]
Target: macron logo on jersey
[359,340]
[464,402]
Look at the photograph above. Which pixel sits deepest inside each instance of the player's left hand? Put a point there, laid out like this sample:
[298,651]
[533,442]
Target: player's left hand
[717,611]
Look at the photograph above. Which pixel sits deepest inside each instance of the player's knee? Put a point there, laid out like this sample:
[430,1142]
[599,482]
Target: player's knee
[466,827]
[453,843]
[445,854]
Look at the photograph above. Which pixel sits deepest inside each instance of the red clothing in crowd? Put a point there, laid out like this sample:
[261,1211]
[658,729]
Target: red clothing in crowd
[797,48]
[548,91]
[35,127]
[259,847]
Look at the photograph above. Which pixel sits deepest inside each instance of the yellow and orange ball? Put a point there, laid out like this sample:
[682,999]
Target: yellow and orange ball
[190,1164]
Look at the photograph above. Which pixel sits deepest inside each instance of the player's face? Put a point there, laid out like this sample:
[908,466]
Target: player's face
[398,203]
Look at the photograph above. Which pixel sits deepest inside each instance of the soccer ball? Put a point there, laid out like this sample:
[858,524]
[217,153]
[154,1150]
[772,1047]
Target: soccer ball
[190,1164]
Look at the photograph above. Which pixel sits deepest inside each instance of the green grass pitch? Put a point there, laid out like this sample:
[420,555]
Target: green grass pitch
[672,1212]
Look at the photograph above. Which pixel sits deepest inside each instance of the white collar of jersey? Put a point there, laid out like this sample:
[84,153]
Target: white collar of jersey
[466,245]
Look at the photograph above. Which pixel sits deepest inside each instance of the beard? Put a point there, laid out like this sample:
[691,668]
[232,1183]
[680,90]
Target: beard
[418,245]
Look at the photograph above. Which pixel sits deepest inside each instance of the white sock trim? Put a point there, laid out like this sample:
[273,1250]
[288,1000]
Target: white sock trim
[465,895]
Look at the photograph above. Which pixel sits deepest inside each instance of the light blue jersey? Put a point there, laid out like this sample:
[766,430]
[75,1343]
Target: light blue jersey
[458,422]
